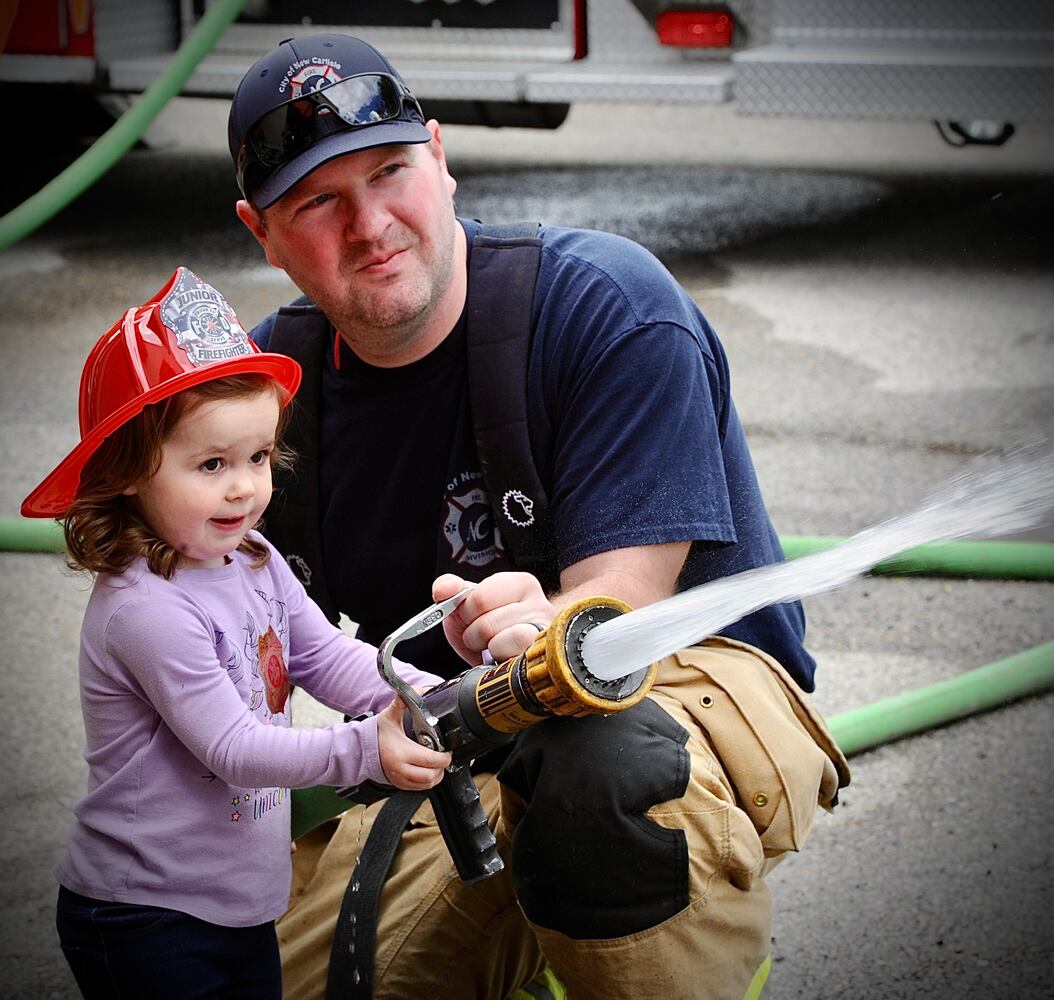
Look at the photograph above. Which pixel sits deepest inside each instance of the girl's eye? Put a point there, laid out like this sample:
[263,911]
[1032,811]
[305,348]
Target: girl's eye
[259,457]
[211,465]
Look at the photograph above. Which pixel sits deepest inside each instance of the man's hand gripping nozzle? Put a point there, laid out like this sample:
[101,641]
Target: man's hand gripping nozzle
[486,706]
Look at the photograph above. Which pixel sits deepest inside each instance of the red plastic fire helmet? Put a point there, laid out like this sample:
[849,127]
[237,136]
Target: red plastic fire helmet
[184,335]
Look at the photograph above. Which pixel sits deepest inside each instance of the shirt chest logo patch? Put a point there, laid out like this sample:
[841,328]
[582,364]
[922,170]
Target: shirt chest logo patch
[469,528]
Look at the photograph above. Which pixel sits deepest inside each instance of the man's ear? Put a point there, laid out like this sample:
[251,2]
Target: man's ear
[253,221]
[436,148]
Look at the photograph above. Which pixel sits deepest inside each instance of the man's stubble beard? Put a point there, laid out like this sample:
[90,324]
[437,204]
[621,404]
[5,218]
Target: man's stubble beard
[387,319]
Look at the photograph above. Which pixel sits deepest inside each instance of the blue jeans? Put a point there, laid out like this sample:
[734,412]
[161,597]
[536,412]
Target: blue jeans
[122,951]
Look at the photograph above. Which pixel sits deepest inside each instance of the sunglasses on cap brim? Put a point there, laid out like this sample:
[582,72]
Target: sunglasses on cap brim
[292,128]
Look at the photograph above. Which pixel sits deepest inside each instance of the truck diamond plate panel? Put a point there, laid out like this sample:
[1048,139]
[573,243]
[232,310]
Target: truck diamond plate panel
[872,87]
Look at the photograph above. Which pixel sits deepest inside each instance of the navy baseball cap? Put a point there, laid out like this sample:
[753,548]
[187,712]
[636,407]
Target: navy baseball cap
[310,100]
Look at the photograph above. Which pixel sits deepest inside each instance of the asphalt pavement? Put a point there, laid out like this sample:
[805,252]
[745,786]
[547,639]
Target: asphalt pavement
[886,305]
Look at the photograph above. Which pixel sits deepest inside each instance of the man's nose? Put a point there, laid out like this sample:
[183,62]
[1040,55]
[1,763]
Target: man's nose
[367,220]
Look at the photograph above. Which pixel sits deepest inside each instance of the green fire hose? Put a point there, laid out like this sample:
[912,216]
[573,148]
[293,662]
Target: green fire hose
[1001,560]
[979,560]
[124,133]
[945,701]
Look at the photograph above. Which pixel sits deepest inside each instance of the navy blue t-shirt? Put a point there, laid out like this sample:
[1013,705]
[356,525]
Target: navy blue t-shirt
[633,431]
[402,493]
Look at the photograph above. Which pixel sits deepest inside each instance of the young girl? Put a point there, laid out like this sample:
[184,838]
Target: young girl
[195,633]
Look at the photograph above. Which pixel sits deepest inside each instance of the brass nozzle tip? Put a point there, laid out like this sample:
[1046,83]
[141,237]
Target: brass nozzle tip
[556,673]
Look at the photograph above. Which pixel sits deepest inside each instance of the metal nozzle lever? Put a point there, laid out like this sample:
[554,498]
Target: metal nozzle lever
[423,721]
[455,800]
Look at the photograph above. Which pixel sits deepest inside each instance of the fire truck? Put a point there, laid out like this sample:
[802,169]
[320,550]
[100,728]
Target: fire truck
[978,68]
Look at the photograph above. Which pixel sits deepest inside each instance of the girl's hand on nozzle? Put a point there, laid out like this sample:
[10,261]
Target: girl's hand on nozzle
[504,614]
[406,764]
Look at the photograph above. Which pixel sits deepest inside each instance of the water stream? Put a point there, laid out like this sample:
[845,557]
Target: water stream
[996,495]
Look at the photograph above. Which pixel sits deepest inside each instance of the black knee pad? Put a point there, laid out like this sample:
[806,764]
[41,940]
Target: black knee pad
[585,860]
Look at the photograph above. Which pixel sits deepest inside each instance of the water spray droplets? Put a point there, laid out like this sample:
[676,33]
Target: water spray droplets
[997,495]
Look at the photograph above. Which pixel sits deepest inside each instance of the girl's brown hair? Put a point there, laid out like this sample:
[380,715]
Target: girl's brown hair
[104,529]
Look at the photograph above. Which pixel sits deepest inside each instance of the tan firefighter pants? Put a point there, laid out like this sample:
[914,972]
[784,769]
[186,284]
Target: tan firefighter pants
[761,760]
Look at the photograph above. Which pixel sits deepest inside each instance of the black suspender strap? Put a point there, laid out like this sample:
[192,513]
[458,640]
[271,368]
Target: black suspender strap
[503,269]
[292,521]
[355,936]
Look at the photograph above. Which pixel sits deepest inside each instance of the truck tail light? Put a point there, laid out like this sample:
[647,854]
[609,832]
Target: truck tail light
[581,30]
[49,29]
[696,29]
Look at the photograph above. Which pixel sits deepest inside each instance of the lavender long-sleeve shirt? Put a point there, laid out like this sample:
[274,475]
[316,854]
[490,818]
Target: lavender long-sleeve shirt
[185,696]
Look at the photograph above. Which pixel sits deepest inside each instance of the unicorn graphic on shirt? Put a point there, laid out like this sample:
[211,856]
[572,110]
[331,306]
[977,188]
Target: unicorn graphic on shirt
[265,653]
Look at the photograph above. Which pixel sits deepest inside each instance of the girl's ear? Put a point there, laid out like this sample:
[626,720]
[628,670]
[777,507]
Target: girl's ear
[130,491]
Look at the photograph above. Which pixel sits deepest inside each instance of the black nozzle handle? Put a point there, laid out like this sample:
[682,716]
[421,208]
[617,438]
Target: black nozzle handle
[365,793]
[463,824]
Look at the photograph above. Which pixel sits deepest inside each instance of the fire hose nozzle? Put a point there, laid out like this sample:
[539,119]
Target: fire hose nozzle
[551,678]
[484,707]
